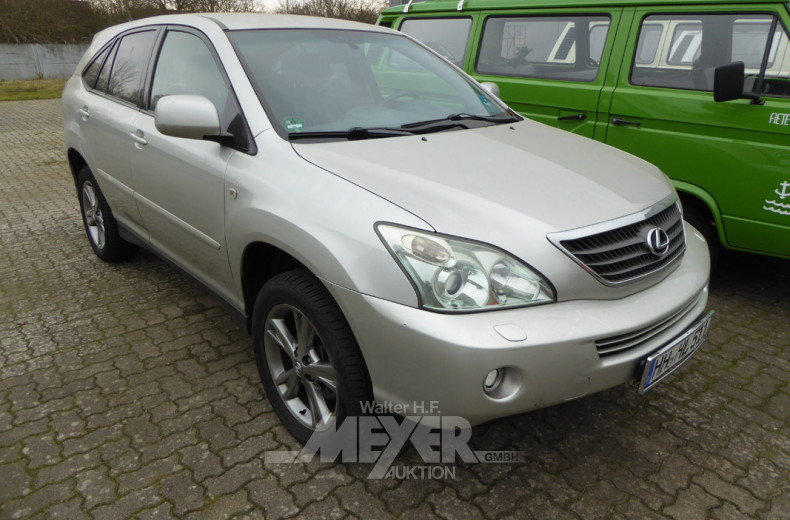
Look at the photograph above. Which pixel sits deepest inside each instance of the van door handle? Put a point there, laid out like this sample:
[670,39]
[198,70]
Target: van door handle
[85,113]
[139,138]
[621,122]
[580,117]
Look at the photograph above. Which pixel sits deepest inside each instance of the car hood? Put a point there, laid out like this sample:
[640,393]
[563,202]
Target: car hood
[487,182]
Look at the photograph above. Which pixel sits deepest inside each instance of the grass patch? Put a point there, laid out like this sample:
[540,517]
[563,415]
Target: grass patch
[18,90]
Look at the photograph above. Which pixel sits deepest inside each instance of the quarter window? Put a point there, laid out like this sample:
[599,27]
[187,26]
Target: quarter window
[561,48]
[446,36]
[130,63]
[683,51]
[91,74]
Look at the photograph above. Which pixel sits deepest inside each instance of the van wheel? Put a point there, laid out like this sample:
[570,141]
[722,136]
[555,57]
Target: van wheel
[698,215]
[100,224]
[308,360]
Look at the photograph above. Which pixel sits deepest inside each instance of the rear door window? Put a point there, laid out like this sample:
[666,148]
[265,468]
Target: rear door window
[131,61]
[104,76]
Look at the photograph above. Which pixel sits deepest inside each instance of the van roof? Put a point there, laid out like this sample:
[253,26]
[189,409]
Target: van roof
[479,5]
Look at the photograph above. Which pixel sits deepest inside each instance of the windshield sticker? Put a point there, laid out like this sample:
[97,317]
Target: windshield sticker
[294,124]
[775,206]
[780,119]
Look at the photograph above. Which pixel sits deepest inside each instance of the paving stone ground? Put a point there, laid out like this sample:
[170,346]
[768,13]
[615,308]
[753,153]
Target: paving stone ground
[127,391]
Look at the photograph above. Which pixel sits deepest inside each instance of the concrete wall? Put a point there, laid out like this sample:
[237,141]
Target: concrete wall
[30,61]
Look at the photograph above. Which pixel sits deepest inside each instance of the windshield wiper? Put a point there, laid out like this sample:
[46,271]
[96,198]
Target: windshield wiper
[499,119]
[456,120]
[352,134]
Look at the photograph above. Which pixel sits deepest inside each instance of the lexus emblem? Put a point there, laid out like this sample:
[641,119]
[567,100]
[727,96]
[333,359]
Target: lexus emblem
[657,241]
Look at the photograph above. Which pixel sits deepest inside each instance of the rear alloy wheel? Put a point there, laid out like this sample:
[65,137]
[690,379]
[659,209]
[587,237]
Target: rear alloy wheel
[308,361]
[99,222]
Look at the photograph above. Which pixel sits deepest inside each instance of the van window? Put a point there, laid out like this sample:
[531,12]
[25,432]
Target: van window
[776,82]
[563,48]
[446,36]
[649,38]
[683,51]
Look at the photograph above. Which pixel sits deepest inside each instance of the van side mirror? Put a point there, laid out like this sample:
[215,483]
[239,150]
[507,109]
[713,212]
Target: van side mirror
[728,83]
[190,117]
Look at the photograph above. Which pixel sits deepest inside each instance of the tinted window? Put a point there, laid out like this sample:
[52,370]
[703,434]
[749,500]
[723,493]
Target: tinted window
[563,48]
[91,74]
[700,43]
[447,36]
[186,66]
[104,75]
[130,63]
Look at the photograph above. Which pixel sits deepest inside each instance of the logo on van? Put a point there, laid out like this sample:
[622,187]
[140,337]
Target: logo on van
[657,241]
[779,207]
[778,118]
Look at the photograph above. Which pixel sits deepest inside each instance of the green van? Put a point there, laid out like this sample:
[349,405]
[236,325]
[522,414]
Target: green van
[699,88]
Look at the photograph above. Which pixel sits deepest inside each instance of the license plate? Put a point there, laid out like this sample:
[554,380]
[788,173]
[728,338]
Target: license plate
[663,362]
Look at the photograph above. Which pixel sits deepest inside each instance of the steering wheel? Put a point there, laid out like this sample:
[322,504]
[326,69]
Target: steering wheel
[390,100]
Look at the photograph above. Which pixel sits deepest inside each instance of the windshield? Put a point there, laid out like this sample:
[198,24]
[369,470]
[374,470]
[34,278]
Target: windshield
[321,81]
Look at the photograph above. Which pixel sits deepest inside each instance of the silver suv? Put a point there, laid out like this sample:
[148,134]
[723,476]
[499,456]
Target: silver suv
[389,231]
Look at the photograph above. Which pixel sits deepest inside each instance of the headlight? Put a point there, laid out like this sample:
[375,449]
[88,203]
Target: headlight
[452,274]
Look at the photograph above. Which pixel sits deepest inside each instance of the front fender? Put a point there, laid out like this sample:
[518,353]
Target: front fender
[322,220]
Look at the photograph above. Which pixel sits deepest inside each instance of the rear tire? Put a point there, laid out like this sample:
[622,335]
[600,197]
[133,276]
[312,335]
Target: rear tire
[100,224]
[308,360]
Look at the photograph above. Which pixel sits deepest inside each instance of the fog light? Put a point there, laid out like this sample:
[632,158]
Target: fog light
[493,380]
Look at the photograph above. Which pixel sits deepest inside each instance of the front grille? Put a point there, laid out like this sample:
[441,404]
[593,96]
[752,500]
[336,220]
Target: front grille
[619,253]
[636,338]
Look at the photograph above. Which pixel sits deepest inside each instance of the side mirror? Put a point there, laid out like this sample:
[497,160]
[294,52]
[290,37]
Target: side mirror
[190,117]
[728,81]
[491,87]
[728,84]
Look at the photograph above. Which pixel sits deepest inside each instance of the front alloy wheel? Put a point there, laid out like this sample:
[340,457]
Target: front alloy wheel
[309,362]
[300,367]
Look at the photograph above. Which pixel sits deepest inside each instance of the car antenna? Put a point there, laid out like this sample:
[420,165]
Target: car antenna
[126,6]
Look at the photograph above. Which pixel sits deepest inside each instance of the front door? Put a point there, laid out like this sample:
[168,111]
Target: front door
[180,183]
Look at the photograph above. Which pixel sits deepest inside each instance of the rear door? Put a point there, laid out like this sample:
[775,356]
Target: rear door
[549,64]
[114,81]
[736,154]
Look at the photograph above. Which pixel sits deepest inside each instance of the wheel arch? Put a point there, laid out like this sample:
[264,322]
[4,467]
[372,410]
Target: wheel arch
[262,261]
[692,196]
[76,163]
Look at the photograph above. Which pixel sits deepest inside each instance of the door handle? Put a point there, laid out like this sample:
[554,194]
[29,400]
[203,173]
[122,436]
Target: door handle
[580,117]
[85,113]
[139,138]
[622,122]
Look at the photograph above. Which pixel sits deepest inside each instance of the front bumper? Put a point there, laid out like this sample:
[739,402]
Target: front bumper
[417,358]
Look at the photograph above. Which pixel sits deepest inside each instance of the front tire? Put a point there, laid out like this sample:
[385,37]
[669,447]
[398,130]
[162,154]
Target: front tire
[308,360]
[100,224]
